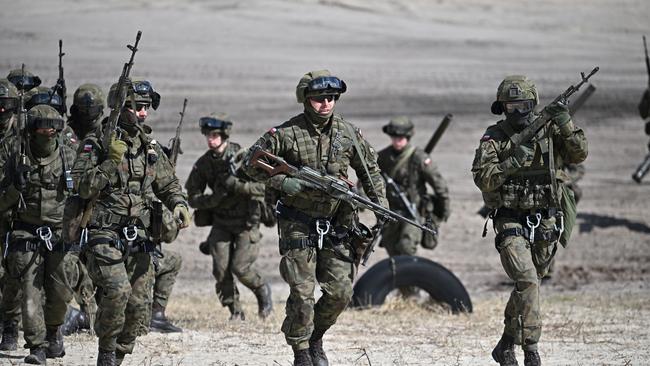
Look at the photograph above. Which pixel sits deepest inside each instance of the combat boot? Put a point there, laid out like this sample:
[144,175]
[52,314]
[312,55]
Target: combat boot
[531,358]
[9,337]
[504,352]
[119,357]
[106,358]
[54,339]
[236,314]
[36,356]
[264,301]
[159,322]
[316,351]
[302,358]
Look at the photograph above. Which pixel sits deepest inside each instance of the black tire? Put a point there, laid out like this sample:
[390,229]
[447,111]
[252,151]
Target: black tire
[391,273]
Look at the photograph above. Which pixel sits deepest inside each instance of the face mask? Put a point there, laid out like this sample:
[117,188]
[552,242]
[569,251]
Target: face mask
[518,120]
[43,145]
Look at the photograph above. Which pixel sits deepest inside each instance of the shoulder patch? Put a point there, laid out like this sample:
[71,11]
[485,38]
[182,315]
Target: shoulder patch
[427,161]
[486,137]
[88,148]
[272,131]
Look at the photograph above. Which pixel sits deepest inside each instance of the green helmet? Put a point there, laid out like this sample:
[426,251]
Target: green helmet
[44,116]
[88,99]
[216,122]
[399,126]
[319,82]
[43,95]
[515,88]
[141,90]
[8,96]
[24,82]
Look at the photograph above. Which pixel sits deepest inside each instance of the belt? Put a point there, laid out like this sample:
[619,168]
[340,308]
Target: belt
[301,243]
[292,214]
[23,246]
[548,235]
[546,213]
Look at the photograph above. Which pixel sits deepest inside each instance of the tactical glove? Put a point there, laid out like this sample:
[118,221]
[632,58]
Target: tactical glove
[522,154]
[116,150]
[21,177]
[182,216]
[559,114]
[293,186]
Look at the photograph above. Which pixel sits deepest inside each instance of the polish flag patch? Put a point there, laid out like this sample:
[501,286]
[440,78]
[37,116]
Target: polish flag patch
[88,148]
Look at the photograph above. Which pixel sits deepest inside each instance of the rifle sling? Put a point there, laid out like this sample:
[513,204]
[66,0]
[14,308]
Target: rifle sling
[357,147]
[406,155]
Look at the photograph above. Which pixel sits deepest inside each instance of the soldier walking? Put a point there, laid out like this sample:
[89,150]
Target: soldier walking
[517,184]
[233,209]
[119,250]
[321,140]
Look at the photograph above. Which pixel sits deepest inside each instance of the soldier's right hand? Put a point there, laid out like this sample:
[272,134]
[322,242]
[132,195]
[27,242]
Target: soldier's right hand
[116,150]
[293,186]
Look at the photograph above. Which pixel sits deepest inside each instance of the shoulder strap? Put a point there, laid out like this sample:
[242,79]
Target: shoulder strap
[357,147]
[406,155]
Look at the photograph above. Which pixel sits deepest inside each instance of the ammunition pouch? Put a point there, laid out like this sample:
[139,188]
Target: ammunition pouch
[432,210]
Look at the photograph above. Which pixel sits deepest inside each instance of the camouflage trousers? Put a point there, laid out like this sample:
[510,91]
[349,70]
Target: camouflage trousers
[525,264]
[301,269]
[84,289]
[400,238]
[30,276]
[124,311]
[234,251]
[165,277]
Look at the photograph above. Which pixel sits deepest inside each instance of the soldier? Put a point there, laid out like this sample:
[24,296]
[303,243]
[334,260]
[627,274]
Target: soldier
[411,169]
[233,209]
[529,218]
[37,256]
[43,95]
[119,251]
[323,141]
[24,81]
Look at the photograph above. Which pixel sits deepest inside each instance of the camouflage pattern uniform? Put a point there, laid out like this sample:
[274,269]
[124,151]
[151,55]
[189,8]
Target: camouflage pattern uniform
[325,143]
[516,182]
[234,207]
[123,268]
[35,264]
[411,169]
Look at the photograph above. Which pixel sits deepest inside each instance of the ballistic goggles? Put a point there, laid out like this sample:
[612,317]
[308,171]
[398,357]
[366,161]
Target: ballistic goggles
[145,89]
[214,123]
[322,98]
[326,83]
[521,106]
[40,122]
[25,82]
[51,99]
[8,104]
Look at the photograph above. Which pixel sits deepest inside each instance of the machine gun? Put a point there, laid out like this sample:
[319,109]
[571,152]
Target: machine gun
[118,103]
[335,187]
[175,143]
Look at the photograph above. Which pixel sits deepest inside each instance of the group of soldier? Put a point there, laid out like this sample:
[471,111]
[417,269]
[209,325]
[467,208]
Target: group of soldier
[84,210]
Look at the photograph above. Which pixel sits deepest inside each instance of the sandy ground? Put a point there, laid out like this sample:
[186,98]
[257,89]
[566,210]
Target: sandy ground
[421,58]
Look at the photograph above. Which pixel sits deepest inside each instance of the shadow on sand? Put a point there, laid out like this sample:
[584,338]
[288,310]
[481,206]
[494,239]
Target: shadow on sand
[588,221]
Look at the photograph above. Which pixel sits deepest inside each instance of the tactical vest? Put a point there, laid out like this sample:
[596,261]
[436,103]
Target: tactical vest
[529,188]
[329,152]
[48,186]
[407,175]
[125,200]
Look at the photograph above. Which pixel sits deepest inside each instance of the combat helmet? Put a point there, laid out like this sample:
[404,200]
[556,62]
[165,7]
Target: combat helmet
[516,92]
[8,96]
[216,122]
[88,100]
[24,82]
[43,95]
[399,126]
[44,116]
[319,82]
[142,92]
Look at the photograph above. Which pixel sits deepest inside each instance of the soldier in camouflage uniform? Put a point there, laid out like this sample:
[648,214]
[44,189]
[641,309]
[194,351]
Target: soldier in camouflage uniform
[233,209]
[118,252]
[411,169]
[321,140]
[37,257]
[529,218]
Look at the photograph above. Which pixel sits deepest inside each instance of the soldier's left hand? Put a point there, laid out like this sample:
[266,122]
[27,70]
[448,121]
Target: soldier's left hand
[182,216]
[559,113]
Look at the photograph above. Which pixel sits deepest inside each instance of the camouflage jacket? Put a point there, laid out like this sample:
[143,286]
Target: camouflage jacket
[412,177]
[331,151]
[230,199]
[122,189]
[530,186]
[46,190]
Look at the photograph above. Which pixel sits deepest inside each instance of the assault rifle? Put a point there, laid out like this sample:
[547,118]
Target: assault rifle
[335,187]
[118,103]
[175,143]
[529,132]
[60,87]
[22,166]
[410,207]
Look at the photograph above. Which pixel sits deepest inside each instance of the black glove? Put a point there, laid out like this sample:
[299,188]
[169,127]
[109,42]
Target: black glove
[21,177]
[559,113]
